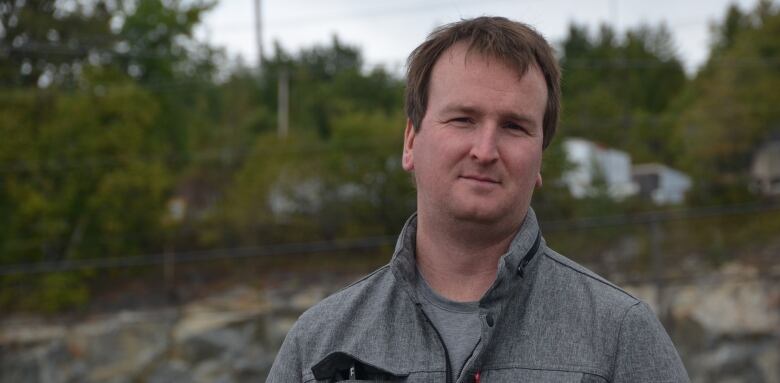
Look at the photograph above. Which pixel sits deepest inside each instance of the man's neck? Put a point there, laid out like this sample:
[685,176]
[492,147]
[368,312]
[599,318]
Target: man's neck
[460,260]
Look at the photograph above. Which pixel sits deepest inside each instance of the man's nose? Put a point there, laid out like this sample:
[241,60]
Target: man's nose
[485,146]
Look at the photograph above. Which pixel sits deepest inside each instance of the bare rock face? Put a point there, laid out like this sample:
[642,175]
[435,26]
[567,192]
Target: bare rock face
[231,337]
[170,371]
[104,350]
[123,345]
[726,327]
[732,303]
[49,362]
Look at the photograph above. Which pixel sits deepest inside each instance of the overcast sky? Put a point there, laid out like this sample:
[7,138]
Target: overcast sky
[386,31]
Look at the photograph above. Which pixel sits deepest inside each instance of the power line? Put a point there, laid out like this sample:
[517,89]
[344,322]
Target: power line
[395,10]
[373,12]
[368,243]
[56,165]
[588,63]
[199,256]
[37,48]
[150,86]
[659,216]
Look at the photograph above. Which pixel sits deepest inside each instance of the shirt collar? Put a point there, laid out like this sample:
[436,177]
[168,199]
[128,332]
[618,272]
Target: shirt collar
[513,267]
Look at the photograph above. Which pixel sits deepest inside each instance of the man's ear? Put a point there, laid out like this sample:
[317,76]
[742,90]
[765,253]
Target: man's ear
[538,180]
[407,159]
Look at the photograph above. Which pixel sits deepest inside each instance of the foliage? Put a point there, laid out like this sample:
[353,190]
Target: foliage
[86,159]
[616,89]
[338,174]
[111,112]
[79,180]
[45,44]
[730,108]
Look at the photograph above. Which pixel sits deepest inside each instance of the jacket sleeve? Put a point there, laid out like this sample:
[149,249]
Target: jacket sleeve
[287,366]
[644,352]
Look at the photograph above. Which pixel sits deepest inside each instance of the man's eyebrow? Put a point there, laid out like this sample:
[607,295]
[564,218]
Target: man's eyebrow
[458,108]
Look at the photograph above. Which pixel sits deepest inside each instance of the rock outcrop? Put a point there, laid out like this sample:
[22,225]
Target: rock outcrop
[726,327]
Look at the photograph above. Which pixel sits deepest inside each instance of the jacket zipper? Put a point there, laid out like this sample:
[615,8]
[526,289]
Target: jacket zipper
[448,368]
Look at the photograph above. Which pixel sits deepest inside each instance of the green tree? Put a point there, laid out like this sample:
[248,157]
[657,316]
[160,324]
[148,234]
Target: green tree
[731,107]
[78,181]
[338,173]
[101,104]
[44,43]
[617,88]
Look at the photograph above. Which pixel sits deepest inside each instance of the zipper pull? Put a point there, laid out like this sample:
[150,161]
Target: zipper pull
[352,374]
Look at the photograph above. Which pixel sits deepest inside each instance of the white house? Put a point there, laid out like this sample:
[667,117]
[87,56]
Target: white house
[765,170]
[661,184]
[591,162]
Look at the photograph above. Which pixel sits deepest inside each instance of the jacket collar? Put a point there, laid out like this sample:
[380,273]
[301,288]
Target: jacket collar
[514,266]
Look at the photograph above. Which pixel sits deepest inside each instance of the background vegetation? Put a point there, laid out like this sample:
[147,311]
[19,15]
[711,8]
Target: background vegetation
[122,136]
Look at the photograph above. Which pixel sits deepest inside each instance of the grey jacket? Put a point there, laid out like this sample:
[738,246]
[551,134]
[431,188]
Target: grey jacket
[545,319]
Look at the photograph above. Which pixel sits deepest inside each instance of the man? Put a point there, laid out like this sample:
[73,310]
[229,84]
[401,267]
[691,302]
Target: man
[472,293]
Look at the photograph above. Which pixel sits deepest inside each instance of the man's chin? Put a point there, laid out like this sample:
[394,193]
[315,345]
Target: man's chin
[481,216]
[488,215]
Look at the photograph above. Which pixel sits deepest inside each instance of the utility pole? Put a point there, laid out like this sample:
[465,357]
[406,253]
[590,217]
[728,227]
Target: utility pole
[614,10]
[283,107]
[258,34]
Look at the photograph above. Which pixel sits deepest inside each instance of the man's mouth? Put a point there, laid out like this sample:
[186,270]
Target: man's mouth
[480,178]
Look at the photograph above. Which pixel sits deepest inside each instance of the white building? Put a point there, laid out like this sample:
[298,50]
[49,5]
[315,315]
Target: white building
[661,184]
[592,161]
[765,170]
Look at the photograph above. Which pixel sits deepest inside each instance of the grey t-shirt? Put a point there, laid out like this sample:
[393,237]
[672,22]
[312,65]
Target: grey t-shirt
[457,322]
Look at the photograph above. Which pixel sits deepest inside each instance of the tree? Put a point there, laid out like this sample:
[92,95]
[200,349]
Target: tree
[338,173]
[731,106]
[100,108]
[79,181]
[616,89]
[45,44]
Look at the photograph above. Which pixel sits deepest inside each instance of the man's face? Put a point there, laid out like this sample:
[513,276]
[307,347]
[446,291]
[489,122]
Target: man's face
[478,152]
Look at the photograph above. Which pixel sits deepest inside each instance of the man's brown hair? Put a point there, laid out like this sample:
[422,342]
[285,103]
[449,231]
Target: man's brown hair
[516,44]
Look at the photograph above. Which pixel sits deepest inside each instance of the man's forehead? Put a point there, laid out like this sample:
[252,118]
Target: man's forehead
[468,54]
[462,63]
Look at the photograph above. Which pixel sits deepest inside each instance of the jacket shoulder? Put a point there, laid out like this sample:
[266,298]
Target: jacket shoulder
[375,307]
[319,328]
[359,295]
[625,340]
[567,317]
[582,280]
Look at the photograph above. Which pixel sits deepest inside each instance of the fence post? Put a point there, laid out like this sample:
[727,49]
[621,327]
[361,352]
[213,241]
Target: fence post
[169,277]
[656,253]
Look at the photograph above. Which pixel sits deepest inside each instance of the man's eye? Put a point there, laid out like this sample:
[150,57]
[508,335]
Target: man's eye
[461,121]
[514,127]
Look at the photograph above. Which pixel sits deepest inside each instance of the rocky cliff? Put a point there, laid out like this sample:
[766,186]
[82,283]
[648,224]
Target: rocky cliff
[726,326]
